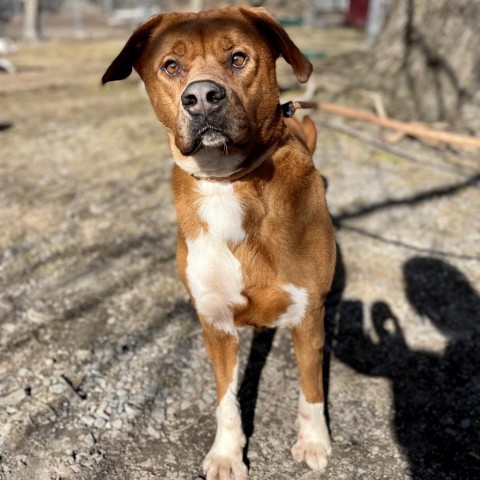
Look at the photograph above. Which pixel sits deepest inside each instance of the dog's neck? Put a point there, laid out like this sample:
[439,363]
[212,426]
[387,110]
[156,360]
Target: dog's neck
[250,166]
[247,166]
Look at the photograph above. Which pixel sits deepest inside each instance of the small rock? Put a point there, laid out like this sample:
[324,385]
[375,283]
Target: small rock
[88,420]
[122,395]
[117,424]
[22,459]
[152,432]
[82,354]
[88,463]
[100,422]
[13,398]
[158,414]
[102,409]
[138,401]
[130,411]
[88,439]
[151,391]
[102,383]
[58,388]
[170,411]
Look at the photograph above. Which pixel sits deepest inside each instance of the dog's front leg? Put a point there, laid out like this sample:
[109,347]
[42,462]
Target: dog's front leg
[313,442]
[224,460]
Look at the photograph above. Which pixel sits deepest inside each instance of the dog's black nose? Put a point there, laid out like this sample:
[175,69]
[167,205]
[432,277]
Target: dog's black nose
[203,97]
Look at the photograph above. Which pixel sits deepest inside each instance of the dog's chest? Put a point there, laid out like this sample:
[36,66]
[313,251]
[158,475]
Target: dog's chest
[214,274]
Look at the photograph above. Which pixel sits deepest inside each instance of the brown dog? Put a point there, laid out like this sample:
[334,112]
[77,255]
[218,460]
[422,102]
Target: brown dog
[255,240]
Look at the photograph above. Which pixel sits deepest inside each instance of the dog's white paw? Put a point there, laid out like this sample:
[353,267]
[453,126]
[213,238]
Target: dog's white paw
[315,453]
[224,461]
[217,467]
[313,442]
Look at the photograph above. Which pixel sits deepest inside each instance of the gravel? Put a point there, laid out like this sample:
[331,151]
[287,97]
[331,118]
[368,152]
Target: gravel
[103,373]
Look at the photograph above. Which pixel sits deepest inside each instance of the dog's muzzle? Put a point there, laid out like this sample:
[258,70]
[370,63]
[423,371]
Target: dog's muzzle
[204,102]
[210,116]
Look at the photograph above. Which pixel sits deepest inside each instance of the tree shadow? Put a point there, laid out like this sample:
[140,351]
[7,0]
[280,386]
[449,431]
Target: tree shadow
[436,395]
[408,201]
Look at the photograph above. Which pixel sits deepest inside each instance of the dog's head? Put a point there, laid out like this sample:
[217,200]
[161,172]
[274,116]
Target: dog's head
[211,80]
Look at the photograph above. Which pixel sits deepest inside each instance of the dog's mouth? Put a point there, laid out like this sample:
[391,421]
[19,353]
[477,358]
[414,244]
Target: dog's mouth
[212,137]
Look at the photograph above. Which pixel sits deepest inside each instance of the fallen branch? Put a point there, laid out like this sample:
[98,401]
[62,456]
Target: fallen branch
[414,130]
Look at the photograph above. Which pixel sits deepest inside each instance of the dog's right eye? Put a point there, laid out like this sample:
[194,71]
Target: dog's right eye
[171,68]
[239,59]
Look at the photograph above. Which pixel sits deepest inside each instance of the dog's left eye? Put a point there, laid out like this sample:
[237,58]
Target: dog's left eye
[171,68]
[239,59]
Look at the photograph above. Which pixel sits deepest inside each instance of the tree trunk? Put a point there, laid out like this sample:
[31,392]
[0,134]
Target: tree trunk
[426,61]
[31,21]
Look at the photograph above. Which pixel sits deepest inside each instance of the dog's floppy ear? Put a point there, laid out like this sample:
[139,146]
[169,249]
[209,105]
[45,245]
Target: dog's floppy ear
[271,28]
[122,66]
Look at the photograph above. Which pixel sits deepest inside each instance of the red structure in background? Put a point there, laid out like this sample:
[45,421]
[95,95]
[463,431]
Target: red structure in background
[357,13]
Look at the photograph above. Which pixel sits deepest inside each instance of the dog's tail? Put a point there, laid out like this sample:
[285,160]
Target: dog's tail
[305,131]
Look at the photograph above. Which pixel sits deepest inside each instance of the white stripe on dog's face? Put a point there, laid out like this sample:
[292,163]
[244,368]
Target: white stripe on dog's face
[227,450]
[214,274]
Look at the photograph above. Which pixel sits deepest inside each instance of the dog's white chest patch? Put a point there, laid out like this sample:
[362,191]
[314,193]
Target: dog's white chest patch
[214,274]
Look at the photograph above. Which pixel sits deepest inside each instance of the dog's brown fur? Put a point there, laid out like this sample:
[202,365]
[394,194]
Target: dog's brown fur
[289,236]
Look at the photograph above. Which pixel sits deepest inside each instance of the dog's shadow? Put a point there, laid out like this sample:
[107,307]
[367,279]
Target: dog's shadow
[248,393]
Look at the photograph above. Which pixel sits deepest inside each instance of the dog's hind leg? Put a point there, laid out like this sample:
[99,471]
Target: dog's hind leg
[224,460]
[313,442]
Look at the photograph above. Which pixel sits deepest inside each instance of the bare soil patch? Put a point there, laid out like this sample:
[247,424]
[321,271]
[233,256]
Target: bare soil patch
[102,367]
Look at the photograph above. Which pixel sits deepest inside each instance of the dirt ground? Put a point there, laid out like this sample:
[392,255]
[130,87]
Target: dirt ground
[103,374]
